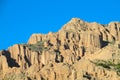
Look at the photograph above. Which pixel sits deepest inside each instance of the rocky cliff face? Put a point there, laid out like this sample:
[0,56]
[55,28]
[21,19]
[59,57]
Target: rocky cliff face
[65,55]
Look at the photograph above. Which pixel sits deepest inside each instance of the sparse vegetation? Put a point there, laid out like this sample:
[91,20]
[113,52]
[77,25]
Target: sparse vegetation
[38,47]
[108,65]
[112,42]
[20,76]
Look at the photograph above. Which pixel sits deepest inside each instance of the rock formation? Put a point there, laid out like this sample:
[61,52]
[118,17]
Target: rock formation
[65,55]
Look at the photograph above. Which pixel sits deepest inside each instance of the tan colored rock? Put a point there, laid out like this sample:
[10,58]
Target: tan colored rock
[3,62]
[114,28]
[34,38]
[66,54]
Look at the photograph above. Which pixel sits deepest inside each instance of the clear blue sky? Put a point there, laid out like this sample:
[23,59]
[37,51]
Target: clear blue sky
[20,18]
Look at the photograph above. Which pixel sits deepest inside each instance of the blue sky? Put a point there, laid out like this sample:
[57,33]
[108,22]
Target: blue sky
[20,18]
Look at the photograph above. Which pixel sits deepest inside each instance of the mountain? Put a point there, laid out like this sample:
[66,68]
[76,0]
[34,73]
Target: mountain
[78,51]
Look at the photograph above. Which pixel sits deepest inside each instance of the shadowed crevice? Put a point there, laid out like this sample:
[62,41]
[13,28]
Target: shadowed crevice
[25,57]
[104,43]
[11,62]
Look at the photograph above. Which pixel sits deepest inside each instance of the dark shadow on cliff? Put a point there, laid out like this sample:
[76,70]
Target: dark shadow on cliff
[11,62]
[25,57]
[104,43]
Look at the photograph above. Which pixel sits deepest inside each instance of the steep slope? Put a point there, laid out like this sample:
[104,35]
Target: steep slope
[65,55]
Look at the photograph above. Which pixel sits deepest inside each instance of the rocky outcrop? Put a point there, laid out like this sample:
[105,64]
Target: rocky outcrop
[3,61]
[64,55]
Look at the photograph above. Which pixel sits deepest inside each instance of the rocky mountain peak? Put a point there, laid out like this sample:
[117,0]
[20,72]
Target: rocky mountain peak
[74,23]
[69,54]
[76,20]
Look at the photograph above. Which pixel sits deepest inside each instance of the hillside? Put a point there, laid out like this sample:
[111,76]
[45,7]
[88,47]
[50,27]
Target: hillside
[78,51]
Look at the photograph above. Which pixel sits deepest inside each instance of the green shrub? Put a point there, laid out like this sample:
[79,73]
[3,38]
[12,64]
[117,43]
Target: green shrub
[108,65]
[104,64]
[20,76]
[38,47]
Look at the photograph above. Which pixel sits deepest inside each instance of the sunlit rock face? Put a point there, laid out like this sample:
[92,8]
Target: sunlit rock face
[65,55]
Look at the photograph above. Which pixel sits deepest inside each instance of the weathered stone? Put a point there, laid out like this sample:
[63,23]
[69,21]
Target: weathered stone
[66,54]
